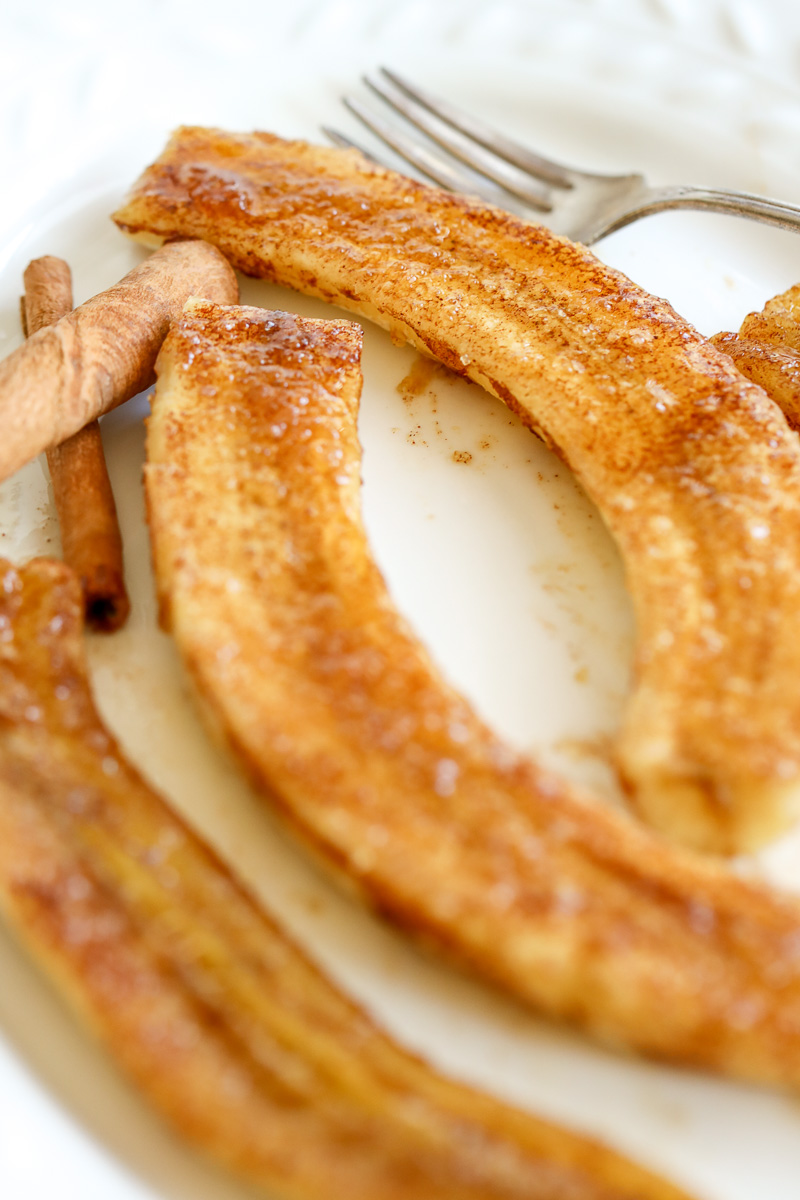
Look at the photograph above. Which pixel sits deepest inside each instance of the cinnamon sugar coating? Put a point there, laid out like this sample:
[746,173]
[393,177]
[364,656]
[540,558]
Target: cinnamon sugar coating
[219,1020]
[305,669]
[693,468]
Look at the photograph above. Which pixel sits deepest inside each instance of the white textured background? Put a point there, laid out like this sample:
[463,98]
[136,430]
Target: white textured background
[77,77]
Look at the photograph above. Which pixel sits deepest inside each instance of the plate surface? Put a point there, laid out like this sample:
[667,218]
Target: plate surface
[488,544]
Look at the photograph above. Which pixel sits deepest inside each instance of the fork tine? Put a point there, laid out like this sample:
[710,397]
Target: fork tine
[462,147]
[431,164]
[347,143]
[491,139]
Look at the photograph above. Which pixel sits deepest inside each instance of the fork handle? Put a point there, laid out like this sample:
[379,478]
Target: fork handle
[738,204]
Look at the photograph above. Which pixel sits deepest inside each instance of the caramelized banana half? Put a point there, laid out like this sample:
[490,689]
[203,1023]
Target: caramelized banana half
[767,350]
[306,670]
[694,470]
[247,1050]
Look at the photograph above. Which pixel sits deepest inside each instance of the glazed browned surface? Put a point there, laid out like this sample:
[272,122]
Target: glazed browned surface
[306,669]
[103,353]
[693,468]
[219,1019]
[767,350]
[87,515]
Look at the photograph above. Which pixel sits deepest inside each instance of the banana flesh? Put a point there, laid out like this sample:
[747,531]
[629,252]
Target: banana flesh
[307,672]
[247,1050]
[692,467]
[767,350]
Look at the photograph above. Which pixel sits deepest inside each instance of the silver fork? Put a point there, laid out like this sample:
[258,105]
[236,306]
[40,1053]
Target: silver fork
[461,153]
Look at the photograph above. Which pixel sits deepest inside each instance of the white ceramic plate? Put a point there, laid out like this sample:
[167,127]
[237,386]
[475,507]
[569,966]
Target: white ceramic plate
[488,545]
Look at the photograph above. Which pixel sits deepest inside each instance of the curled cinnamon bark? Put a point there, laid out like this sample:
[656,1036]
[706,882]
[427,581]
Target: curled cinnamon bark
[87,515]
[103,353]
[48,293]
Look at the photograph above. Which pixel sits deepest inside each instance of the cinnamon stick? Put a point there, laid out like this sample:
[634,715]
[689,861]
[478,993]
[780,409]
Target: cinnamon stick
[90,534]
[94,358]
